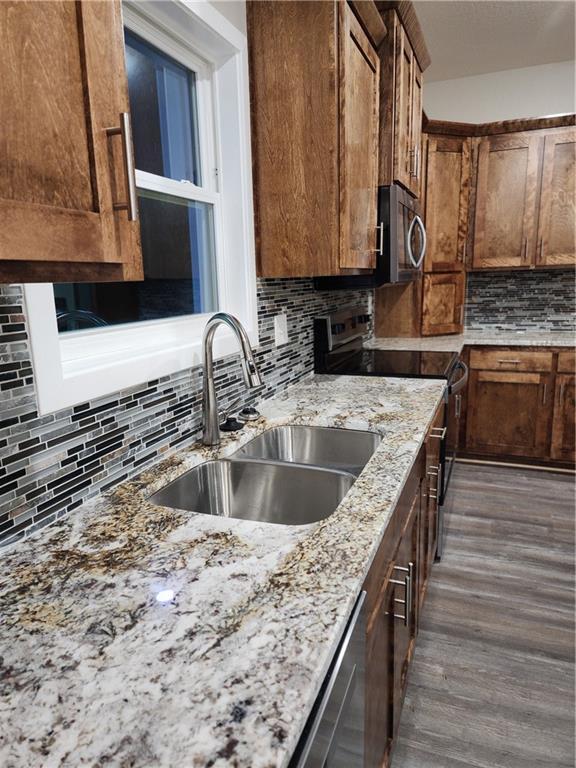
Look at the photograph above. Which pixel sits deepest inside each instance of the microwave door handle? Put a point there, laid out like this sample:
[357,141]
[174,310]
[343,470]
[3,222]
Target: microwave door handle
[422,229]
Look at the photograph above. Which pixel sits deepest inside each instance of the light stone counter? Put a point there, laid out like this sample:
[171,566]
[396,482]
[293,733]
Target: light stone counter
[96,671]
[477,338]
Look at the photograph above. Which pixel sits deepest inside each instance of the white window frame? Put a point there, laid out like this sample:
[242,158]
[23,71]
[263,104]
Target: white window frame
[80,366]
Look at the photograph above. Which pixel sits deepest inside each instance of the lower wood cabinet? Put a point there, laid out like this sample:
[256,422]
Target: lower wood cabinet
[395,588]
[443,303]
[508,413]
[520,403]
[563,444]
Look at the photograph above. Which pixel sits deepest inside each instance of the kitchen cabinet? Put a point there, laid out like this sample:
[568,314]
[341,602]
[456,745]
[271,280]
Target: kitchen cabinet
[314,78]
[67,197]
[506,200]
[401,96]
[359,100]
[563,445]
[509,402]
[446,207]
[393,602]
[443,303]
[525,200]
[563,441]
[557,220]
[431,495]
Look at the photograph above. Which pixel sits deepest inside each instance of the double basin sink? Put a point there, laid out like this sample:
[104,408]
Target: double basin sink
[293,475]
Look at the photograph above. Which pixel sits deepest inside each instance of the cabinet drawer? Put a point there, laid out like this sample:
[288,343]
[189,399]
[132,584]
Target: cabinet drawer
[510,360]
[567,361]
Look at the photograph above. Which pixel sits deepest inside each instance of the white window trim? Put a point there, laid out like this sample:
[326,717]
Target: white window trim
[71,369]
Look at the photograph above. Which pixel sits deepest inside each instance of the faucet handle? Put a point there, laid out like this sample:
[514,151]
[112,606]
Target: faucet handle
[223,415]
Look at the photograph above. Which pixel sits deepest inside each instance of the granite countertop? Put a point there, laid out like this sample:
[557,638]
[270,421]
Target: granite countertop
[95,670]
[486,337]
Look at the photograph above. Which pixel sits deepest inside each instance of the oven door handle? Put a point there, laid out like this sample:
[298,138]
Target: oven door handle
[458,386]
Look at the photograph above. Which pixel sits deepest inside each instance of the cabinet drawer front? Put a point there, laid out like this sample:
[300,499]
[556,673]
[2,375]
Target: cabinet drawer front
[507,377]
[567,361]
[510,360]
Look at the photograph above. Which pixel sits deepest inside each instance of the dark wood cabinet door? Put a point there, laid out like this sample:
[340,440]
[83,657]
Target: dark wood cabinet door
[380,680]
[405,632]
[557,220]
[62,175]
[447,193]
[443,303]
[506,200]
[508,413]
[563,446]
[404,84]
[432,486]
[359,100]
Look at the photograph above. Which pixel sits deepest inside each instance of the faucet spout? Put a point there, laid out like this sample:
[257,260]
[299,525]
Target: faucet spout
[211,434]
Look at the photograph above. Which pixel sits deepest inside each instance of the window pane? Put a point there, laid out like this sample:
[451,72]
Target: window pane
[179,271]
[164,112]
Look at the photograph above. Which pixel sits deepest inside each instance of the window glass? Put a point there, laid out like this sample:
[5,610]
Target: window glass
[179,268]
[164,112]
[177,232]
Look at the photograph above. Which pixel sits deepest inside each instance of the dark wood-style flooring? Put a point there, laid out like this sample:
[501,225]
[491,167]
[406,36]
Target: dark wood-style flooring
[492,682]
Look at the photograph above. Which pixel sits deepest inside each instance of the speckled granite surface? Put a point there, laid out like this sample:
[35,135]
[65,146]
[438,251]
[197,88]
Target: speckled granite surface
[95,671]
[477,338]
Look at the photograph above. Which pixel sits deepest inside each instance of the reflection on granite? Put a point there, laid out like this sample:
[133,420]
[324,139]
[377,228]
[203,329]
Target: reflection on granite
[137,635]
[476,338]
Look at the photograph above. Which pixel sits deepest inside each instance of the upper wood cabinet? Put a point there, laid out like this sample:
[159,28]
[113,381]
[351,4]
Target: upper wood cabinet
[557,220]
[359,100]
[525,200]
[443,303]
[401,82]
[64,173]
[447,197]
[506,200]
[314,81]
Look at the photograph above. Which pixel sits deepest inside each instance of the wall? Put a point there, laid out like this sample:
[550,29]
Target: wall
[547,89]
[542,300]
[49,465]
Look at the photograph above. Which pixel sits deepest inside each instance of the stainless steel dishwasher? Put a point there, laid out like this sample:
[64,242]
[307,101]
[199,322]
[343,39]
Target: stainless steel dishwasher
[334,734]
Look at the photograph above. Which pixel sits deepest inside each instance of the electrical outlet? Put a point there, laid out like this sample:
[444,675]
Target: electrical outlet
[280,330]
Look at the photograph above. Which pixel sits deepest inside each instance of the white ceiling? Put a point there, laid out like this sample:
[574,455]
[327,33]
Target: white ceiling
[471,37]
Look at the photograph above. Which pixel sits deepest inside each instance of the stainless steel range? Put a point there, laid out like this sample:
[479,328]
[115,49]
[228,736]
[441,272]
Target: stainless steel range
[339,349]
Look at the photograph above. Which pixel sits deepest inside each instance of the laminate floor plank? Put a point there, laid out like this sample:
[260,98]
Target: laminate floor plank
[492,681]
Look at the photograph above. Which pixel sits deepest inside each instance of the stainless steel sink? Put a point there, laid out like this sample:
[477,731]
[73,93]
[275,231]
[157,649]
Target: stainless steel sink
[257,490]
[347,450]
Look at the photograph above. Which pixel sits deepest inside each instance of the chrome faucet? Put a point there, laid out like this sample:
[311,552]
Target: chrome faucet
[252,378]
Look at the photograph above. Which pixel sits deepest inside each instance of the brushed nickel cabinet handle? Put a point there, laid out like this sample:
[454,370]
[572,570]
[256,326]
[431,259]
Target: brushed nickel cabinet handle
[544,393]
[505,361]
[408,601]
[380,248]
[441,430]
[541,249]
[524,249]
[124,130]
[561,393]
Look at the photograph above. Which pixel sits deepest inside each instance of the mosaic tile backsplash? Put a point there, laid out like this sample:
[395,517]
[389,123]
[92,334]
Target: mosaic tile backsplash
[51,464]
[538,299]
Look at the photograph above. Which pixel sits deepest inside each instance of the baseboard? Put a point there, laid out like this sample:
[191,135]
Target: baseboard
[539,467]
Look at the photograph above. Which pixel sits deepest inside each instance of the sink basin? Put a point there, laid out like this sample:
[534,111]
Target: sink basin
[347,450]
[257,490]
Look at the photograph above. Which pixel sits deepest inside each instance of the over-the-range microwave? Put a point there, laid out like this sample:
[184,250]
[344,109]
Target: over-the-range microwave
[402,248]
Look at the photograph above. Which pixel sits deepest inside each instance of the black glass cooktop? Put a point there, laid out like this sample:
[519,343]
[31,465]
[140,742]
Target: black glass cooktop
[390,362]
